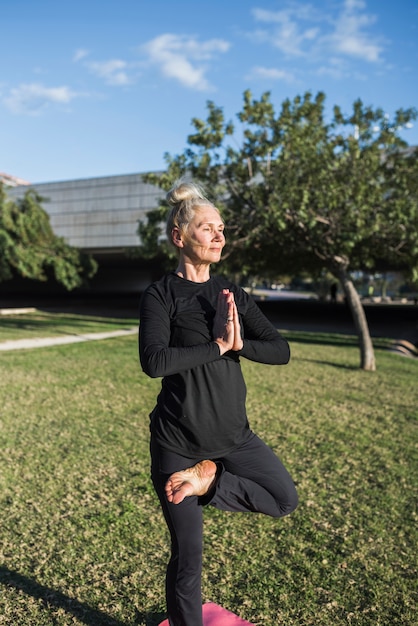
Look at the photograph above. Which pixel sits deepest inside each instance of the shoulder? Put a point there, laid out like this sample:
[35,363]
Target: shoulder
[162,285]
[159,290]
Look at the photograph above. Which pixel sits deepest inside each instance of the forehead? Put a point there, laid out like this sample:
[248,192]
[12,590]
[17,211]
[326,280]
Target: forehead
[207,214]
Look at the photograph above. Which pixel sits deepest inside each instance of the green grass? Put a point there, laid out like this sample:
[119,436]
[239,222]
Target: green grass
[46,324]
[82,538]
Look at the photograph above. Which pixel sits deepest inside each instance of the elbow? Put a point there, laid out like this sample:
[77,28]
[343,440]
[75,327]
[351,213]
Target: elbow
[150,369]
[287,354]
[151,362]
[283,352]
[150,372]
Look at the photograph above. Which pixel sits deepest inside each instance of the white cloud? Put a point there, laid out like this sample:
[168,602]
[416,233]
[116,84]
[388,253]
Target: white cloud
[184,58]
[332,72]
[270,73]
[336,68]
[350,38]
[80,54]
[301,30]
[33,98]
[354,4]
[288,35]
[114,71]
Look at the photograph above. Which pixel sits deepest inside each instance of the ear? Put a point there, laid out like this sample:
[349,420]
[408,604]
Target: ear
[176,237]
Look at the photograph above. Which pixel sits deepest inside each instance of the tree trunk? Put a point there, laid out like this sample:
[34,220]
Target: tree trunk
[367,359]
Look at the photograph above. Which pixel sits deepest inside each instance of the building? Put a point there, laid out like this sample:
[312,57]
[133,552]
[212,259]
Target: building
[11,181]
[100,216]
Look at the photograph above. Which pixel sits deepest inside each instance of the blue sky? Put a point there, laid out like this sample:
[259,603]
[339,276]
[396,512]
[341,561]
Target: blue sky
[96,88]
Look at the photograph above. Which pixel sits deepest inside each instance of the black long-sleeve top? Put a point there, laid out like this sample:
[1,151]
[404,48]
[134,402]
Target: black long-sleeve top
[200,410]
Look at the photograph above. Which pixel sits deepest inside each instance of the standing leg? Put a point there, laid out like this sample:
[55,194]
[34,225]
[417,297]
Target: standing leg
[185,523]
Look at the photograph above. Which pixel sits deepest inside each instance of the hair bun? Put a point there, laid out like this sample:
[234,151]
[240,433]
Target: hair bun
[184,192]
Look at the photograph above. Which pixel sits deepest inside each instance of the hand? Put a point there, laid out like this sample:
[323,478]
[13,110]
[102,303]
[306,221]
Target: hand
[238,342]
[226,327]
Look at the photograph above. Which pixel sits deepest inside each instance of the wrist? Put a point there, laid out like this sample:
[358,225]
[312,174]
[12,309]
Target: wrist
[222,348]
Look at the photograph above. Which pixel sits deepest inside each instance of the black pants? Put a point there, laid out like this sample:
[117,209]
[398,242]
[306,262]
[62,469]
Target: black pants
[251,478]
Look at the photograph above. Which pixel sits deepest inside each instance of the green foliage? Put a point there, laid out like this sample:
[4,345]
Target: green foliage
[83,541]
[298,192]
[29,247]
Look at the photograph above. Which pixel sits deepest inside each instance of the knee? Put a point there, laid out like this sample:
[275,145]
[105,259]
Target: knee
[289,504]
[293,501]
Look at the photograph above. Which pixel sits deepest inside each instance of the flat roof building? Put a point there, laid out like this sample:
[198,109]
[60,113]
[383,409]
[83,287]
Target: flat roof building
[97,214]
[100,216]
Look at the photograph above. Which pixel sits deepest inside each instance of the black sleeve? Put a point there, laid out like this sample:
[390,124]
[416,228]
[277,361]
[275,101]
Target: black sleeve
[156,356]
[262,342]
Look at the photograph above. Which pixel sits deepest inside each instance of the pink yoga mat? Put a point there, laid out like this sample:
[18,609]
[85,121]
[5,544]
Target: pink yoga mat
[215,615]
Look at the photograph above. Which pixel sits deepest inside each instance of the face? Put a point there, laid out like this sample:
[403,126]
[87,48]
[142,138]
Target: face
[205,239]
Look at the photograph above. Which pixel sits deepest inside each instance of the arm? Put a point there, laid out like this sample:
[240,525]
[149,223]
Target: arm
[157,357]
[262,342]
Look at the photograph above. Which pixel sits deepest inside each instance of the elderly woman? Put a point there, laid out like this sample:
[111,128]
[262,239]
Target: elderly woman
[194,327]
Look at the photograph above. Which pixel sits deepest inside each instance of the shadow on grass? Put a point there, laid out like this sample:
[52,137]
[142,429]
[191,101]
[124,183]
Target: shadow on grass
[80,610]
[330,363]
[318,338]
[54,322]
[333,339]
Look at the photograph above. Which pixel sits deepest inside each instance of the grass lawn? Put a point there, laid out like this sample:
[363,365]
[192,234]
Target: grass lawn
[82,538]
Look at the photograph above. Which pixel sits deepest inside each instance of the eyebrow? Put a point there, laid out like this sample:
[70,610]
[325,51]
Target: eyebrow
[211,224]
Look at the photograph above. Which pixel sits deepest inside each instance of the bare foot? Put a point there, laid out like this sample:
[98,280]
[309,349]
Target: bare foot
[193,481]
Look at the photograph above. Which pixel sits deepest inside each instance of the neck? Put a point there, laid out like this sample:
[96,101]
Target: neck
[195,273]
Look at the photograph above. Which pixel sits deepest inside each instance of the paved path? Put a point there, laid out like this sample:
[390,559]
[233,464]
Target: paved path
[43,342]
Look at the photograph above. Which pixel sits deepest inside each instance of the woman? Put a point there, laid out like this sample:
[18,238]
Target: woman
[194,328]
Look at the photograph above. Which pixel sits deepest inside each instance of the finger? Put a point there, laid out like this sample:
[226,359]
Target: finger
[230,312]
[223,297]
[236,320]
[221,306]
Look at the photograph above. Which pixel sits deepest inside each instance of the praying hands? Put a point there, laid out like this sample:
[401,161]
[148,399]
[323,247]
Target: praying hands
[226,326]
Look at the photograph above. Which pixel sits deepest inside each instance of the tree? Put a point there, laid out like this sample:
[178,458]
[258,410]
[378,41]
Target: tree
[29,247]
[299,192]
